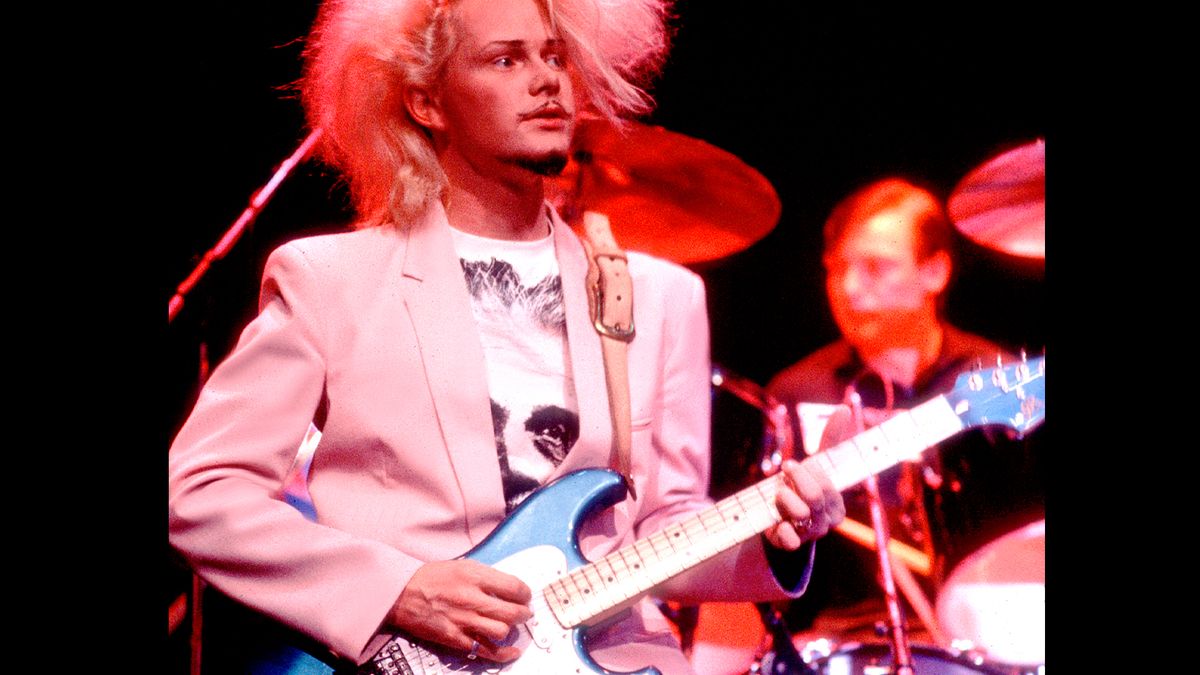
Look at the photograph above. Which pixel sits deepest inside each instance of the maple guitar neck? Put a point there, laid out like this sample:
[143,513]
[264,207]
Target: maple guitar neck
[592,590]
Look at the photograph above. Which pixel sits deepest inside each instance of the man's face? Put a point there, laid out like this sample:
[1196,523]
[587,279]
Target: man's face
[880,294]
[506,95]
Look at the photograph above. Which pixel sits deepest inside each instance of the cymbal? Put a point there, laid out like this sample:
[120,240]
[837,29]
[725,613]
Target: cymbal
[1001,204]
[665,193]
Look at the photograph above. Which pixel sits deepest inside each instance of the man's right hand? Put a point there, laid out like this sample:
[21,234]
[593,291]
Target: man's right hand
[458,602]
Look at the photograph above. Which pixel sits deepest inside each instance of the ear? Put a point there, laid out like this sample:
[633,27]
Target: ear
[934,272]
[424,108]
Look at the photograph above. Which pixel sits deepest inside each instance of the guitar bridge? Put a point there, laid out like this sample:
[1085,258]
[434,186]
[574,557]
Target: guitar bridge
[389,660]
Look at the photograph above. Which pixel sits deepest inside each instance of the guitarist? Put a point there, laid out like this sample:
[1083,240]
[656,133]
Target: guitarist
[445,350]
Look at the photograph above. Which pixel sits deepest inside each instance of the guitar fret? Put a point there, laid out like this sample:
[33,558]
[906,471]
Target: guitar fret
[555,595]
[635,569]
[828,462]
[698,535]
[668,556]
[904,434]
[872,445]
[678,537]
[849,465]
[647,557]
[659,569]
[937,419]
[714,523]
[573,590]
[608,571]
[755,509]
[595,585]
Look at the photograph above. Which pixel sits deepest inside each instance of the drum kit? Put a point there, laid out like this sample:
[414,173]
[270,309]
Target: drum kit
[685,200]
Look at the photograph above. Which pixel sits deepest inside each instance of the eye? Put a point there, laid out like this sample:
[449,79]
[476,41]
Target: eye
[504,61]
[556,60]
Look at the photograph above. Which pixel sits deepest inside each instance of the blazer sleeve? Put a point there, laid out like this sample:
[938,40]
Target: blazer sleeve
[228,462]
[682,438]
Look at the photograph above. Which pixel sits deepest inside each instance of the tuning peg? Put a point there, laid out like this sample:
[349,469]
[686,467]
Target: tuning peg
[1022,371]
[975,380]
[999,377]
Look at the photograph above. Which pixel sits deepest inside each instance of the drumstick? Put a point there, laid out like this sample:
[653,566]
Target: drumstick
[916,598]
[913,559]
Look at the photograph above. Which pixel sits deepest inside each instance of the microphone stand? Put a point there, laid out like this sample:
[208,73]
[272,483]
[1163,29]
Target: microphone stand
[901,655]
[249,214]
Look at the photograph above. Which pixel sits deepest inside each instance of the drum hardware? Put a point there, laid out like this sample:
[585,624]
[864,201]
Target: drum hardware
[783,658]
[824,656]
[686,618]
[854,658]
[897,632]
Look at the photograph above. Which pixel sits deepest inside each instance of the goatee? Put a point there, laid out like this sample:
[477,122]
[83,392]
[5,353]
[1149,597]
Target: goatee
[549,165]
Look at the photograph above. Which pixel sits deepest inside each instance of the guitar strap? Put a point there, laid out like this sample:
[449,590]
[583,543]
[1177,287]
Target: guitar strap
[610,301]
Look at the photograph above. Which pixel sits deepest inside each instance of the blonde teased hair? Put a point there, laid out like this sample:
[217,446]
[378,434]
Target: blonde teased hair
[363,54]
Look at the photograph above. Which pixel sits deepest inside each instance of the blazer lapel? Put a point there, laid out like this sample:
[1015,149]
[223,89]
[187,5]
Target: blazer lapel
[440,309]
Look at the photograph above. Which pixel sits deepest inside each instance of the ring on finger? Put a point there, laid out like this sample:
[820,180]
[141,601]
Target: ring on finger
[474,653]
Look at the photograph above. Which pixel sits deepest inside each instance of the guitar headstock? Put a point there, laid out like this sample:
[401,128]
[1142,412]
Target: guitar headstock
[1012,395]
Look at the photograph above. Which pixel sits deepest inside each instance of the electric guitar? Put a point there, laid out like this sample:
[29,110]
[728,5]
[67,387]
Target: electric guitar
[538,541]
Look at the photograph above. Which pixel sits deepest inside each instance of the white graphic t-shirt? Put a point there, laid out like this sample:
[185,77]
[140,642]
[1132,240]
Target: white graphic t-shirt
[516,296]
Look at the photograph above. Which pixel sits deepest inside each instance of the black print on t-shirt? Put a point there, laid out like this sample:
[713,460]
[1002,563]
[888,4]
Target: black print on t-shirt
[533,436]
[553,432]
[496,288]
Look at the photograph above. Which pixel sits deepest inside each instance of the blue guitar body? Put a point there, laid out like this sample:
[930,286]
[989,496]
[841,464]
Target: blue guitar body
[546,522]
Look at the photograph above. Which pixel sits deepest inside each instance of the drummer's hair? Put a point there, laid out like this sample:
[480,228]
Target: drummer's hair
[934,232]
[363,55]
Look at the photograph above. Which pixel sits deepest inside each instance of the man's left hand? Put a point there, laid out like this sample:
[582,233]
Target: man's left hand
[809,504]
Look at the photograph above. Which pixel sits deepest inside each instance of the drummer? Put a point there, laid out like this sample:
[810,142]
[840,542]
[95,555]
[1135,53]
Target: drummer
[889,262]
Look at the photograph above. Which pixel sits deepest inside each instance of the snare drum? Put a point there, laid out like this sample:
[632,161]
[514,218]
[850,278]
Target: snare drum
[876,659]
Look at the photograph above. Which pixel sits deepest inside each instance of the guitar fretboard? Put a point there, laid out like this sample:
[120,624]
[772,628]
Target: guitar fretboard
[593,589]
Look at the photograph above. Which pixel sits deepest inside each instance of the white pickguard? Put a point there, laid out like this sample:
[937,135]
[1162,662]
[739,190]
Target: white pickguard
[546,647]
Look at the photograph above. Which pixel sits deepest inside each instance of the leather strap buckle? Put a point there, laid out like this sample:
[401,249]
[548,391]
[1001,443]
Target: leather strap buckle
[615,331]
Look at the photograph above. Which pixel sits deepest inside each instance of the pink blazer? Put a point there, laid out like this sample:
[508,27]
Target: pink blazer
[370,333]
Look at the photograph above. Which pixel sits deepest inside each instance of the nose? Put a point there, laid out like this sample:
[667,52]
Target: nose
[849,281]
[546,78]
[852,285]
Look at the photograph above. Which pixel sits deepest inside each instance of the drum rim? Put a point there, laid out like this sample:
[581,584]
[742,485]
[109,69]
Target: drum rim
[984,667]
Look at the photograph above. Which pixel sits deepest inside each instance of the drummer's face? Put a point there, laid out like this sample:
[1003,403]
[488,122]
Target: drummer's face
[876,285]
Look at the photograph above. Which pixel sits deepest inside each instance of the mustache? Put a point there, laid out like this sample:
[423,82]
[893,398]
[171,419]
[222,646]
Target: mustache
[551,108]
